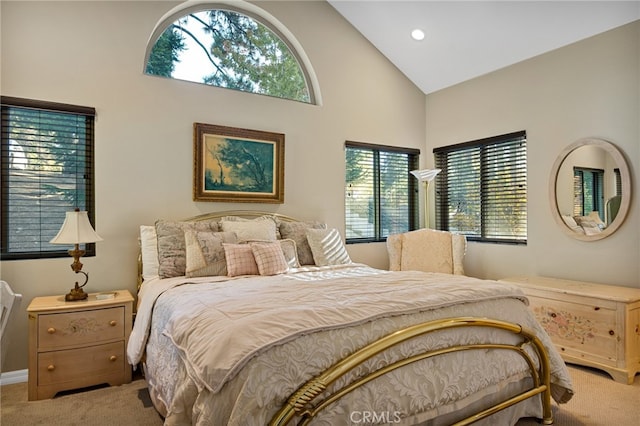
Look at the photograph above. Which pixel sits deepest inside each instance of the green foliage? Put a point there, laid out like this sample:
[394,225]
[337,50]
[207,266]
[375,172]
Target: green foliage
[244,54]
[164,54]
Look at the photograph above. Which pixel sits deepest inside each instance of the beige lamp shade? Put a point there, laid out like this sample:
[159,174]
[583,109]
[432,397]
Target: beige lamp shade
[76,229]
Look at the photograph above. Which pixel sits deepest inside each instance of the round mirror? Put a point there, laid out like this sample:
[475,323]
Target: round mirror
[590,189]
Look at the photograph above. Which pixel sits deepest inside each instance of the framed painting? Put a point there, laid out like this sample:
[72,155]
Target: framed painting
[237,165]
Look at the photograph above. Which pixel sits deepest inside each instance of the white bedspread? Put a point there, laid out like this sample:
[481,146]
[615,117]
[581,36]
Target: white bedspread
[221,324]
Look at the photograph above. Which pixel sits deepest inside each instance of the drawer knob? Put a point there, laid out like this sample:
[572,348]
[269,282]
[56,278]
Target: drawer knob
[51,330]
[113,323]
[51,367]
[113,358]
[611,332]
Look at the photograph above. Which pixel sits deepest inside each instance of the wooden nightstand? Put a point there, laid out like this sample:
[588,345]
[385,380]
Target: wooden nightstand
[78,344]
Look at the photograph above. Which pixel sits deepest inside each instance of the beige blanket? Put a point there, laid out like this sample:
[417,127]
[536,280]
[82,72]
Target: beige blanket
[219,326]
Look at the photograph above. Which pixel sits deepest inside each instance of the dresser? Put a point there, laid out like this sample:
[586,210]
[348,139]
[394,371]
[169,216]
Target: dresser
[590,324]
[78,344]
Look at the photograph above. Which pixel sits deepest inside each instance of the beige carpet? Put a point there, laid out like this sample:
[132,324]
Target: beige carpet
[599,401]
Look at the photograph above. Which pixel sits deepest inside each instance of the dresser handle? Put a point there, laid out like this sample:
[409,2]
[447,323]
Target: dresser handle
[113,358]
[113,323]
[611,332]
[51,330]
[51,367]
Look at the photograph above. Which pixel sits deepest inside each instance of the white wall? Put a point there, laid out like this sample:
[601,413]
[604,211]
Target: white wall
[588,89]
[92,54]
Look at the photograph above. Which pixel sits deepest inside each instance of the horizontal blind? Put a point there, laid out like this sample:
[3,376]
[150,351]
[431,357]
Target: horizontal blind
[380,193]
[47,170]
[360,192]
[482,189]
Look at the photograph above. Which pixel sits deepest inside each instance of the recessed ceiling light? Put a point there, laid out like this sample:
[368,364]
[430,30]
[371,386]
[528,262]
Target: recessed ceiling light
[417,34]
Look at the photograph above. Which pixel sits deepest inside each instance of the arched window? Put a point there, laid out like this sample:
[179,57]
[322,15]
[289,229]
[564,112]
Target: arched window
[226,47]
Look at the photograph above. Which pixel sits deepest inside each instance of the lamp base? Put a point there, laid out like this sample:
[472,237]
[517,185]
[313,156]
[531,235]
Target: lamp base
[76,294]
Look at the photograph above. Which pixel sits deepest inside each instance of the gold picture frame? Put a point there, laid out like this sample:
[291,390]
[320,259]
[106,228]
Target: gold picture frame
[237,165]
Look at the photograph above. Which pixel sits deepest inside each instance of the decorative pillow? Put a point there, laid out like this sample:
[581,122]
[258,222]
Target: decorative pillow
[269,258]
[259,229]
[149,251]
[273,218]
[297,231]
[571,223]
[289,250]
[240,260]
[589,225]
[204,252]
[327,247]
[171,247]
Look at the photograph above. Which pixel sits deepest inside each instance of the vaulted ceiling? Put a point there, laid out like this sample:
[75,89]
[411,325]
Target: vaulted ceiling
[466,39]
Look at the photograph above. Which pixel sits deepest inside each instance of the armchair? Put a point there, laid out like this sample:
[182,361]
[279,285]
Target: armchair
[427,250]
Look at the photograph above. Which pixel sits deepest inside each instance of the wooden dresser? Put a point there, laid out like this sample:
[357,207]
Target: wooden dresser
[591,324]
[78,344]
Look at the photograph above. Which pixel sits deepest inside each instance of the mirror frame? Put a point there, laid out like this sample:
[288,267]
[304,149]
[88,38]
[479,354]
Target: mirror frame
[625,175]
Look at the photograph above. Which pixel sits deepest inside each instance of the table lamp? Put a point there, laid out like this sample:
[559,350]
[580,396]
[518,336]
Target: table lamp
[76,229]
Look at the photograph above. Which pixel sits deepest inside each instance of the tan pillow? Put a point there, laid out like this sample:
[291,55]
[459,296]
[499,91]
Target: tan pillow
[327,247]
[205,254]
[269,258]
[171,247]
[240,260]
[297,231]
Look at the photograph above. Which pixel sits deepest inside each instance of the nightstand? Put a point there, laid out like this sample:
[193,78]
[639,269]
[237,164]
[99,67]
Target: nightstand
[78,344]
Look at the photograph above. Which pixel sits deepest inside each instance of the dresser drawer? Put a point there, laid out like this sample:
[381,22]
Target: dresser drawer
[579,329]
[78,364]
[59,331]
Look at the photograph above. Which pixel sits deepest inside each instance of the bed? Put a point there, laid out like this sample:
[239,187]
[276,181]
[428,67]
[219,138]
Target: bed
[303,335]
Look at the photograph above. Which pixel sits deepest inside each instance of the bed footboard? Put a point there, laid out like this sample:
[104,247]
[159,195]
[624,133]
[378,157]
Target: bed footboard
[305,404]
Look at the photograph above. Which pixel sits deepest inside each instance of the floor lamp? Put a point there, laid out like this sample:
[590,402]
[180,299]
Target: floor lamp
[426,176]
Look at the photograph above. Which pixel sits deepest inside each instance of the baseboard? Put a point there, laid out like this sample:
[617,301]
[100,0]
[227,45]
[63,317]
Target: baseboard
[11,377]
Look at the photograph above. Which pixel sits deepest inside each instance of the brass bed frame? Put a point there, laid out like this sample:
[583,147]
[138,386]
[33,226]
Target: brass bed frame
[299,403]
[308,401]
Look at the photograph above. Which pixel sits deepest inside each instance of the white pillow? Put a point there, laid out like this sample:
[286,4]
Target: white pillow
[251,230]
[149,251]
[327,247]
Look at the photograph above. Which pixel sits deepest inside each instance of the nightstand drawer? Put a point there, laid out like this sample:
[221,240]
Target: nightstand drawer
[58,331]
[74,365]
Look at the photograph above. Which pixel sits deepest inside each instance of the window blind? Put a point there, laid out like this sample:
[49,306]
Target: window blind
[47,169]
[481,191]
[380,193]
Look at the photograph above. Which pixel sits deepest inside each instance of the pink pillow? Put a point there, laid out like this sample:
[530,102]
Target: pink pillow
[240,260]
[269,258]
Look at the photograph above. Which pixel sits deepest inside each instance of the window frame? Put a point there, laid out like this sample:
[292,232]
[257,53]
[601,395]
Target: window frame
[88,175]
[442,188]
[412,188]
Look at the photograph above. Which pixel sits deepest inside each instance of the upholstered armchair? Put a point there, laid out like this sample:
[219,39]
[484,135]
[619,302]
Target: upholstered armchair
[427,250]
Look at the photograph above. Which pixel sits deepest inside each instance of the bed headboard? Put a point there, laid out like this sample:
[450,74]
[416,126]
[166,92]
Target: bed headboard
[245,214]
